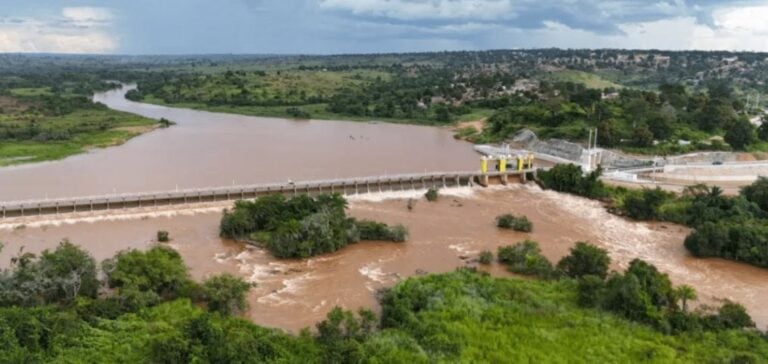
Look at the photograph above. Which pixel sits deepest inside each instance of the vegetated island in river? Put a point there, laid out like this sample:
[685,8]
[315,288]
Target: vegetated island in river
[302,226]
[55,308]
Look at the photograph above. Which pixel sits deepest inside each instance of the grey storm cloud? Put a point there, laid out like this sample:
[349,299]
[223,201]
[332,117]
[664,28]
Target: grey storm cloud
[599,16]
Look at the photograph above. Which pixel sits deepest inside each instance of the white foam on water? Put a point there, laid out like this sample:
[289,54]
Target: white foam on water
[213,207]
[373,272]
[631,239]
[462,248]
[291,286]
[319,306]
[104,216]
[461,192]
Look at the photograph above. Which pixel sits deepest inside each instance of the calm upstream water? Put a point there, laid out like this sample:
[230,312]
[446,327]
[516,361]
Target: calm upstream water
[209,148]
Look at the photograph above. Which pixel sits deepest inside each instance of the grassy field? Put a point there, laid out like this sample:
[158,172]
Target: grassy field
[82,130]
[284,85]
[591,80]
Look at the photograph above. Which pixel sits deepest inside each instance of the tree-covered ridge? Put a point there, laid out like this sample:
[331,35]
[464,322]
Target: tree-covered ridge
[671,119]
[634,99]
[647,101]
[153,313]
[302,226]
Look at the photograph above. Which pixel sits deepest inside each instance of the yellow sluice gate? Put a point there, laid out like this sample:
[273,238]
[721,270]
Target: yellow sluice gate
[484,165]
[502,164]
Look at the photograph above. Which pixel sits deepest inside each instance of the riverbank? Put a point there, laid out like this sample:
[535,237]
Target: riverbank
[97,128]
[450,233]
[318,112]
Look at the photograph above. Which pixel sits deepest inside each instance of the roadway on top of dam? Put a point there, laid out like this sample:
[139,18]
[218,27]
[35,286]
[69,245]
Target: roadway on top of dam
[351,186]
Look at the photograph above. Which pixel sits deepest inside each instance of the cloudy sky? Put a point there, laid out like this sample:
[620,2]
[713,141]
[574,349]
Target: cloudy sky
[364,26]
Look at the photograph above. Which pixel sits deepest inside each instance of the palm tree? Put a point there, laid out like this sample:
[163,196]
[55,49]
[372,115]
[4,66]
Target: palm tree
[685,293]
[715,192]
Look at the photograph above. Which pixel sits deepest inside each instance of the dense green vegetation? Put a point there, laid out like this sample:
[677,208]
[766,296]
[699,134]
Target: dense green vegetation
[53,310]
[46,115]
[639,102]
[516,223]
[302,226]
[635,120]
[729,227]
[641,294]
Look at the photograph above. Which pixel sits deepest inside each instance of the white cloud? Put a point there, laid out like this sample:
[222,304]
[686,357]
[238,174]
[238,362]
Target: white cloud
[86,16]
[425,9]
[681,33]
[750,19]
[78,30]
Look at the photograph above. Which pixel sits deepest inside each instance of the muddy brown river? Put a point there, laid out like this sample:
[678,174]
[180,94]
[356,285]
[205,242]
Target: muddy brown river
[295,294]
[209,149]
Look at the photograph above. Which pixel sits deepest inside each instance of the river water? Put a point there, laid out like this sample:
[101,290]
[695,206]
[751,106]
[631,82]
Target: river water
[209,149]
[295,294]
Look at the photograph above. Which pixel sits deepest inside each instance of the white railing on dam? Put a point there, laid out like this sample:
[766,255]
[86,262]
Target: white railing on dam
[345,186]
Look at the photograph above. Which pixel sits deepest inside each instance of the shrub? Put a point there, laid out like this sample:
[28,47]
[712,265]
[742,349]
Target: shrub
[431,195]
[298,113]
[509,221]
[741,241]
[162,236]
[731,315]
[160,270]
[525,258]
[372,230]
[225,294]
[571,179]
[165,123]
[757,192]
[486,257]
[645,205]
[585,259]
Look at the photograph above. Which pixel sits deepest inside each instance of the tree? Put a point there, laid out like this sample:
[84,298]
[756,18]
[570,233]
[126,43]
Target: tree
[685,293]
[740,134]
[762,131]
[525,258]
[607,133]
[715,115]
[732,315]
[341,334]
[70,271]
[160,270]
[225,294]
[661,126]
[585,259]
[642,137]
[757,192]
[644,205]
